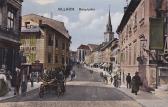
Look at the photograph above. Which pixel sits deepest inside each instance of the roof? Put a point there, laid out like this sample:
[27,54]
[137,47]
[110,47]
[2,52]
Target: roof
[56,25]
[108,44]
[98,48]
[85,47]
[92,46]
[32,29]
[130,9]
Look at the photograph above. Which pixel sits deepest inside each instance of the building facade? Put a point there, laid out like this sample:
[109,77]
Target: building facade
[10,24]
[134,36]
[115,56]
[89,58]
[46,40]
[73,57]
[82,51]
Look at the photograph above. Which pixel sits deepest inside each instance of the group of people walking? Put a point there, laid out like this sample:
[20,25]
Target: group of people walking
[9,82]
[134,82]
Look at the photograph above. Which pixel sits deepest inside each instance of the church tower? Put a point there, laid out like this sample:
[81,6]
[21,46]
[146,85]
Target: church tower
[109,34]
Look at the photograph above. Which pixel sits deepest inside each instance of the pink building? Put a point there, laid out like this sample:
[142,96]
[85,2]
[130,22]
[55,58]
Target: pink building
[134,35]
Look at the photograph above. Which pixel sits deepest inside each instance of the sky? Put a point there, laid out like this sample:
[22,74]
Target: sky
[85,27]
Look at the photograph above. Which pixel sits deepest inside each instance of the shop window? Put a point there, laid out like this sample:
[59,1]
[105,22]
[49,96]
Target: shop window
[49,57]
[0,16]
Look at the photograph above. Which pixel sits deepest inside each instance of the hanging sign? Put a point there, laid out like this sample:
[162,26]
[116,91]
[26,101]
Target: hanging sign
[156,34]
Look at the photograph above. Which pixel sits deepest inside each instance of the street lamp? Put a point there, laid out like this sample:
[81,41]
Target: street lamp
[143,43]
[142,59]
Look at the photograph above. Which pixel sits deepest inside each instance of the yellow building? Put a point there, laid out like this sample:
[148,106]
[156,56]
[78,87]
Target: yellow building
[46,40]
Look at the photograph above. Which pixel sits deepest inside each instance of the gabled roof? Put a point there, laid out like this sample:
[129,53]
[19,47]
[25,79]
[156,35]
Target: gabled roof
[85,47]
[108,44]
[92,46]
[56,25]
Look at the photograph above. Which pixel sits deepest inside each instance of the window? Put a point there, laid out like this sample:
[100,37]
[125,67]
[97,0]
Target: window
[143,10]
[0,16]
[126,59]
[67,47]
[33,48]
[135,19]
[56,58]
[135,50]
[50,40]
[56,43]
[63,45]
[27,24]
[11,19]
[63,60]
[32,40]
[130,55]
[49,57]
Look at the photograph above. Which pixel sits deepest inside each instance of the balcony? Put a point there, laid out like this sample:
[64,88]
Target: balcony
[8,34]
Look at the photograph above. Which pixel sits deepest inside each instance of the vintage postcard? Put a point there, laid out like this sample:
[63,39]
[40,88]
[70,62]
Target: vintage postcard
[83,53]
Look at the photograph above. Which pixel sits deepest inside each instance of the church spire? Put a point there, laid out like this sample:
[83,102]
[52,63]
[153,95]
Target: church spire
[109,34]
[109,25]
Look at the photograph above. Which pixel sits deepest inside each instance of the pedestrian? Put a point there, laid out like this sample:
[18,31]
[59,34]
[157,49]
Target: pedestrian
[91,71]
[111,79]
[18,81]
[116,81]
[24,82]
[72,75]
[32,79]
[128,79]
[136,83]
[9,77]
[3,83]
[45,70]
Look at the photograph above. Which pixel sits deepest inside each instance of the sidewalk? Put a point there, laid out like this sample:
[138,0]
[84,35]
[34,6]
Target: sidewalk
[146,99]
[157,99]
[29,88]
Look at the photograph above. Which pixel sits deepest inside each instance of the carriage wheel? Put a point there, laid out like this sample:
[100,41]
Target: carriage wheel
[58,91]
[41,93]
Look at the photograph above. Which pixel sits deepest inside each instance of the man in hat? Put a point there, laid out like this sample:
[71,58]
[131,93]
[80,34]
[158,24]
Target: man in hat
[136,83]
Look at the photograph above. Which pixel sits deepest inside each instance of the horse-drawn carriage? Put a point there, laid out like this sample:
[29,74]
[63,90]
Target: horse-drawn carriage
[52,83]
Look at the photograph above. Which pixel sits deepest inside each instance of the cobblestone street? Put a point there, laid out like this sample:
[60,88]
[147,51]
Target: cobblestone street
[87,90]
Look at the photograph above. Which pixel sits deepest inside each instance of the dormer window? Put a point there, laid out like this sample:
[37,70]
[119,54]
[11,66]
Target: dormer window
[27,24]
